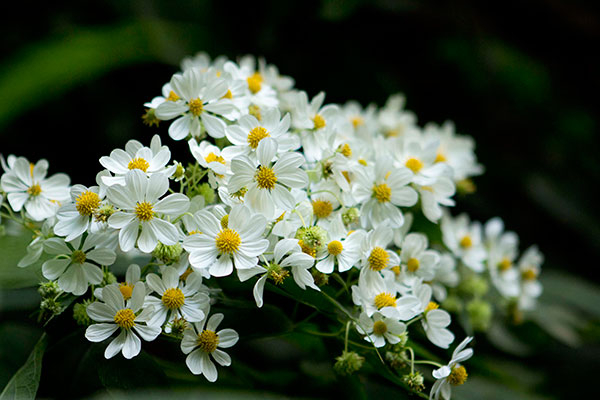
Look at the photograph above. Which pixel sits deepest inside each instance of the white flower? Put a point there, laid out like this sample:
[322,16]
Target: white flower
[200,342]
[530,267]
[27,186]
[177,300]
[382,190]
[139,206]
[452,374]
[375,256]
[209,156]
[259,91]
[434,320]
[219,247]
[502,250]
[464,239]
[150,160]
[78,216]
[435,195]
[77,264]
[114,313]
[342,249]
[380,330]
[417,260]
[297,261]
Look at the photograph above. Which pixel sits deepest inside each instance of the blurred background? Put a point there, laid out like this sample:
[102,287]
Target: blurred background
[521,77]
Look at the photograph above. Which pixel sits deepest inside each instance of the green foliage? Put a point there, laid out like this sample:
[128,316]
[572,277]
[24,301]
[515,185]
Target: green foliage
[25,382]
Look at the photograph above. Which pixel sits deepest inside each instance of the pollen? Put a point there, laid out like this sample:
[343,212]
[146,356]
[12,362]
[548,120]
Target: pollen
[225,221]
[86,203]
[379,328]
[307,249]
[212,157]
[322,208]
[457,376]
[208,341]
[34,190]
[440,157]
[172,96]
[228,241]
[396,270]
[346,150]
[412,264]
[196,107]
[228,95]
[378,259]
[335,247]
[256,135]
[357,121]
[125,318]
[265,178]
[414,164]
[432,305]
[78,257]
[362,162]
[505,264]
[173,298]
[384,300]
[319,121]
[126,290]
[382,192]
[144,211]
[278,274]
[466,242]
[138,163]
[255,82]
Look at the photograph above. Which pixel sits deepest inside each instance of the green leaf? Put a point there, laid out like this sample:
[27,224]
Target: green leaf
[24,384]
[13,248]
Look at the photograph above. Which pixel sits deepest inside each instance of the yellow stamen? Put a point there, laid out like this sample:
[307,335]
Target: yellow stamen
[432,305]
[228,95]
[505,264]
[144,211]
[466,242]
[306,249]
[529,274]
[78,257]
[172,96]
[362,162]
[335,247]
[173,298]
[196,107]
[322,208]
[212,157]
[124,318]
[319,121]
[126,290]
[255,82]
[379,328]
[208,341]
[256,135]
[382,192]
[34,190]
[138,163]
[228,241]
[87,202]
[440,157]
[346,150]
[412,264]
[458,375]
[357,121]
[254,110]
[384,300]
[225,221]
[378,259]
[414,164]
[265,178]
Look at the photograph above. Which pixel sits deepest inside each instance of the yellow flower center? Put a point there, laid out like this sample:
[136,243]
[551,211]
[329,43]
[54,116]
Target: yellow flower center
[362,162]
[255,82]
[382,192]
[254,110]
[505,264]
[379,328]
[412,264]
[228,95]
[346,150]
[87,202]
[138,163]
[124,318]
[173,298]
[265,178]
[335,247]
[466,242]
[34,190]
[529,274]
[208,341]
[144,211]
[196,107]
[322,208]
[278,274]
[211,157]
[432,305]
[78,257]
[172,96]
[228,241]
[225,221]
[440,157]
[126,290]
[319,121]
[384,300]
[457,376]
[378,259]
[414,164]
[256,135]
[396,270]
[357,121]
[306,249]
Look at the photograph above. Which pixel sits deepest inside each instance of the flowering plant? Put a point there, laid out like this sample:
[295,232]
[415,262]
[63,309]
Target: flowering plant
[340,215]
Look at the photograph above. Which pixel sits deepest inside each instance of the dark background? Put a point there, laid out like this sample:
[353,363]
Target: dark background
[521,77]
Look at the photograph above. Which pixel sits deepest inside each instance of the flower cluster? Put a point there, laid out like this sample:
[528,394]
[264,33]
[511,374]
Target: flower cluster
[277,185]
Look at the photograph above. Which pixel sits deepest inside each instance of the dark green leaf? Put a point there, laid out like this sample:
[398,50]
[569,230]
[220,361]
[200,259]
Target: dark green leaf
[25,382]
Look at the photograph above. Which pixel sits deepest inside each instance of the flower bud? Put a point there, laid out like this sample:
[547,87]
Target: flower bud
[415,381]
[167,254]
[80,313]
[350,216]
[480,314]
[348,363]
[49,289]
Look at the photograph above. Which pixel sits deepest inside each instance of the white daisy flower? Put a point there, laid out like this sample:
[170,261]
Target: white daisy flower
[342,249]
[27,187]
[209,156]
[150,160]
[375,257]
[380,330]
[268,185]
[435,321]
[77,263]
[419,158]
[78,216]
[178,299]
[139,205]
[452,374]
[132,276]
[130,316]
[417,260]
[201,341]
[298,262]
[503,248]
[464,239]
[395,121]
[382,190]
[260,92]
[529,265]
[435,195]
[200,103]
[219,247]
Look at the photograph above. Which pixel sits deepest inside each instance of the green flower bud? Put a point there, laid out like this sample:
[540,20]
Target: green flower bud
[49,289]
[108,278]
[348,363]
[179,172]
[415,381]
[207,192]
[80,313]
[397,359]
[480,314]
[104,212]
[452,304]
[350,216]
[474,285]
[149,118]
[167,254]
[49,308]
[178,326]
[313,237]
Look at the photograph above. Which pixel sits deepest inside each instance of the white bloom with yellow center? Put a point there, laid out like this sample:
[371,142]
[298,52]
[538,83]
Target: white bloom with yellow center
[380,330]
[132,276]
[419,158]
[140,206]
[395,121]
[27,187]
[529,265]
[464,239]
[258,90]
[220,248]
[150,160]
[452,374]
[435,321]
[343,248]
[295,260]
[178,299]
[375,257]
[417,260]
[79,215]
[202,341]
[381,191]
[76,264]
[210,156]
[503,248]
[200,104]
[130,316]
[437,194]
[268,185]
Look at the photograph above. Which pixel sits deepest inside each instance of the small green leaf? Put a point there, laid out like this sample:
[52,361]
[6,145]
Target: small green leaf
[24,383]
[13,248]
